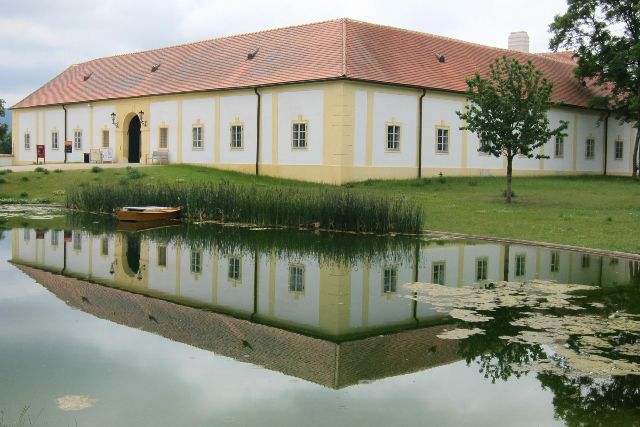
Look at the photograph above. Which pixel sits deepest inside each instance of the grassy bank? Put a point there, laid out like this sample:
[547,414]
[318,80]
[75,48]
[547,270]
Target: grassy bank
[591,211]
[328,208]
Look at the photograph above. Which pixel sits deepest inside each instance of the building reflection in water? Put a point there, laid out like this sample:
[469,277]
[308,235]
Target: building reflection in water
[291,310]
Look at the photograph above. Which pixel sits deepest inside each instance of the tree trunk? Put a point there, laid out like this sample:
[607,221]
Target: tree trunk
[634,174]
[509,173]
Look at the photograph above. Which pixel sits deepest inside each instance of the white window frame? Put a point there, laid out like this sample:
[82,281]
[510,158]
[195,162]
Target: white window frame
[161,258]
[618,152]
[237,136]
[234,272]
[590,148]
[393,137]
[296,278]
[390,280]
[197,137]
[27,141]
[442,139]
[482,268]
[195,264]
[558,151]
[299,135]
[77,139]
[163,138]
[55,141]
[554,267]
[521,265]
[438,272]
[105,138]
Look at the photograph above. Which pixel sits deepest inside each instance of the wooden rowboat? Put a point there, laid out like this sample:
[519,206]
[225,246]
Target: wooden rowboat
[147,213]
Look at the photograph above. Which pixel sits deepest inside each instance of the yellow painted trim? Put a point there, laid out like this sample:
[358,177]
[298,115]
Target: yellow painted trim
[274,128]
[179,130]
[369,142]
[575,142]
[216,130]
[178,268]
[460,266]
[365,294]
[214,276]
[272,284]
[91,141]
[537,276]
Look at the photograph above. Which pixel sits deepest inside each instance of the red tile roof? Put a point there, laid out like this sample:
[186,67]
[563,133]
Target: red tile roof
[313,52]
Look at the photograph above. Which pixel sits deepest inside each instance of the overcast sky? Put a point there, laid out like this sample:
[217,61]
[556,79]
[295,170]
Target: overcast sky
[40,38]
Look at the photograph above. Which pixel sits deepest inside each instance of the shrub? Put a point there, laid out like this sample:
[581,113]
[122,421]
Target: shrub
[24,195]
[58,171]
[96,169]
[39,169]
[24,178]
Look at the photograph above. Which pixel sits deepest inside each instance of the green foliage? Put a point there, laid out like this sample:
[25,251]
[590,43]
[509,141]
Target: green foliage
[39,169]
[605,36]
[329,208]
[134,173]
[508,111]
[96,169]
[24,178]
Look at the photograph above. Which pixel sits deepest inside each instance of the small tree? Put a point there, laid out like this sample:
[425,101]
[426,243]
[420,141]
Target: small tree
[605,36]
[508,111]
[5,135]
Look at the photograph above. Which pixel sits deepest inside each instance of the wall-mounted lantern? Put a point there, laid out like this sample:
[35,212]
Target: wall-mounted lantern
[141,117]
[113,120]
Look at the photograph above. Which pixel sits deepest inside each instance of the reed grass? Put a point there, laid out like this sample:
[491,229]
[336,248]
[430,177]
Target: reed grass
[329,208]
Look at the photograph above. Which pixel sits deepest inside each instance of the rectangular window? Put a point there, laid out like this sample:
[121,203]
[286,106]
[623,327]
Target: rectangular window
[26,235]
[438,273]
[77,241]
[559,147]
[481,269]
[104,247]
[299,135]
[163,138]
[442,140]
[27,141]
[613,261]
[590,148]
[393,138]
[236,137]
[619,149]
[54,140]
[521,264]
[77,140]
[105,138]
[196,262]
[54,238]
[197,137]
[234,268]
[555,262]
[296,278]
[586,261]
[162,256]
[390,280]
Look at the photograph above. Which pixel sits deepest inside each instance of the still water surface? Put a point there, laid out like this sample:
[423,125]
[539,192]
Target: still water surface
[210,325]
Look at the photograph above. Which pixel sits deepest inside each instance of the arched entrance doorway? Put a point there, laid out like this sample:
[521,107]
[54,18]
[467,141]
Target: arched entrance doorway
[134,140]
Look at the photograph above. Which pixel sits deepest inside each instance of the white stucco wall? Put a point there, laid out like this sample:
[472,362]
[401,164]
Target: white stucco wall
[54,121]
[197,286]
[238,110]
[78,118]
[625,133]
[441,111]
[300,308]
[165,114]
[236,295]
[163,278]
[266,132]
[588,127]
[305,105]
[198,111]
[389,308]
[400,110]
[471,255]
[27,123]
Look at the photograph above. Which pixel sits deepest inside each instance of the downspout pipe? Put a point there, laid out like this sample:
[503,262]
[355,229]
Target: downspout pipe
[606,140]
[65,132]
[424,92]
[257,132]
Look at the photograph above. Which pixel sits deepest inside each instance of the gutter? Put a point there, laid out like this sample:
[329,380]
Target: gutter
[424,92]
[255,89]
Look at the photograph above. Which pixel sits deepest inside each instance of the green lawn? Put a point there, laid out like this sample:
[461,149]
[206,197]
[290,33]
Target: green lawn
[597,212]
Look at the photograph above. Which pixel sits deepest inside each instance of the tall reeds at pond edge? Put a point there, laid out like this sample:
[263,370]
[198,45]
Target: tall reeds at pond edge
[329,208]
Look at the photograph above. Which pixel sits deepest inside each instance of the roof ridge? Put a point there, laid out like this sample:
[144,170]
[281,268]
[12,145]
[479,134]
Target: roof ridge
[437,36]
[231,36]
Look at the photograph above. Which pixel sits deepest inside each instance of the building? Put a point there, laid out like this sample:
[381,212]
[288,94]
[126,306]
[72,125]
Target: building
[334,101]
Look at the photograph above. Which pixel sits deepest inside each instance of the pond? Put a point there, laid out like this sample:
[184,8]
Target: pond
[203,324]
